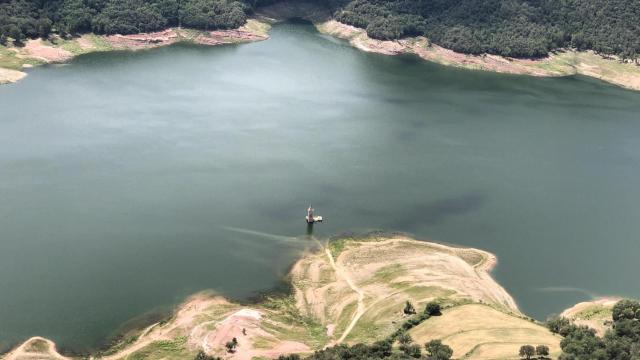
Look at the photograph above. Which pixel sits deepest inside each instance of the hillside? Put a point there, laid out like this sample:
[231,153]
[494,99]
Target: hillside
[512,28]
[351,291]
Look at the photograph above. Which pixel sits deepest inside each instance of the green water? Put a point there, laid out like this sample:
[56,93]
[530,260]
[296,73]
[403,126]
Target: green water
[130,180]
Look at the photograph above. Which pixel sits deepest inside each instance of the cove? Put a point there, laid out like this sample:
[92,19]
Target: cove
[131,180]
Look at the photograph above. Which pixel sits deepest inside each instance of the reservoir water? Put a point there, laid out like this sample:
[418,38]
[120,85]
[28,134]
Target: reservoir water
[131,180]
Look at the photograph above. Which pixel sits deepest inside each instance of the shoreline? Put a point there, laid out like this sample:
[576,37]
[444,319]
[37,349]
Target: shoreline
[14,61]
[560,63]
[476,286]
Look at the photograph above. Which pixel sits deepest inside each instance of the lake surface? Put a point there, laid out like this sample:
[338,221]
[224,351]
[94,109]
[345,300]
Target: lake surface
[131,180]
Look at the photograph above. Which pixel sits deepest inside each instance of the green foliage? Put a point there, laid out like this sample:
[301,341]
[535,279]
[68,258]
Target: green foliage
[527,351]
[404,339]
[128,17]
[24,19]
[432,308]
[408,308]
[436,350]
[412,350]
[212,14]
[377,350]
[622,342]
[516,28]
[542,350]
[626,309]
[201,355]
[289,357]
[231,345]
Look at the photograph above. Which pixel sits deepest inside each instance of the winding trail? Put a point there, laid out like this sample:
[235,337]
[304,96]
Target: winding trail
[361,308]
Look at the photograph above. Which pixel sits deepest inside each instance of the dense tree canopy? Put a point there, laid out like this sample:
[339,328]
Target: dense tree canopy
[622,342]
[22,19]
[516,28]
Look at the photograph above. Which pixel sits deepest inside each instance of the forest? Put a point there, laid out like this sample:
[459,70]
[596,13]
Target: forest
[621,342]
[23,19]
[513,28]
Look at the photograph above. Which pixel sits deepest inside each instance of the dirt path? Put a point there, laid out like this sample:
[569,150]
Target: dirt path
[361,308]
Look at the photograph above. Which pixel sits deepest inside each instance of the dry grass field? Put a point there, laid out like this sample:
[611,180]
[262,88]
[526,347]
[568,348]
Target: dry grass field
[477,331]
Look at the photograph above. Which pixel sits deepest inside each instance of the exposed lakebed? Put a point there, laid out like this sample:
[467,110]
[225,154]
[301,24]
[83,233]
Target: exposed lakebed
[131,180]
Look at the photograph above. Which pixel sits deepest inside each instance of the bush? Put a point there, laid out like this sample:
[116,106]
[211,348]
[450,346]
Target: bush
[437,350]
[432,308]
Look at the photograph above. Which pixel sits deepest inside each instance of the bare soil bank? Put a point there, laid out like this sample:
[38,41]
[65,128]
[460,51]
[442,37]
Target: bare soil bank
[57,50]
[560,63]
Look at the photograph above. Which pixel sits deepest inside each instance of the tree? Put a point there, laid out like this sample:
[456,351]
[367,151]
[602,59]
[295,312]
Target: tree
[412,350]
[432,308]
[436,350]
[43,27]
[409,309]
[201,355]
[289,357]
[527,351]
[16,34]
[626,309]
[404,339]
[542,351]
[231,345]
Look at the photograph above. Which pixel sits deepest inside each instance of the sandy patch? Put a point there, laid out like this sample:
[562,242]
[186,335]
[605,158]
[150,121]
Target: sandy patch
[36,348]
[219,37]
[39,50]
[10,76]
[143,40]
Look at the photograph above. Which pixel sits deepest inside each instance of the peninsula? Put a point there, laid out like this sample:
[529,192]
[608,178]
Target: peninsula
[353,290]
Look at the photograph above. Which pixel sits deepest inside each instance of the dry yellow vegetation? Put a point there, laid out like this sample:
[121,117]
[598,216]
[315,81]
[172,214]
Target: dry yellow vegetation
[357,289]
[477,331]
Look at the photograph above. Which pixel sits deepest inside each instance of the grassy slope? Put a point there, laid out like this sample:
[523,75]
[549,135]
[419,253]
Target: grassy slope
[477,331]
[485,331]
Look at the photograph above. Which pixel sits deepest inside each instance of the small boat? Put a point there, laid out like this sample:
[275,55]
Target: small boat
[310,217]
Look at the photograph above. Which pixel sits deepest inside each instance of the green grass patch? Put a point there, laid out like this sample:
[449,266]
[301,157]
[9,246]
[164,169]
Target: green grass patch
[345,318]
[120,345]
[9,60]
[595,312]
[261,342]
[39,346]
[166,349]
[257,26]
[287,323]
[336,246]
[100,43]
[388,273]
